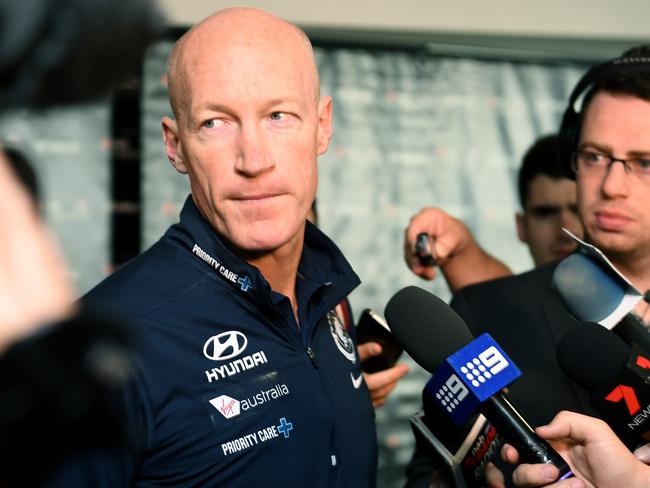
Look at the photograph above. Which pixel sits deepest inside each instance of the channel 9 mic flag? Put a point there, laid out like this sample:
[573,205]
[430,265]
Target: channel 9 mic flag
[470,376]
[432,333]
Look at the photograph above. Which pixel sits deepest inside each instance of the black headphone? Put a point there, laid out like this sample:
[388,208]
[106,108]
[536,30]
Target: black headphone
[569,134]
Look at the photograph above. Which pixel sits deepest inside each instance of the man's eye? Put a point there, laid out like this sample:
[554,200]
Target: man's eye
[277,116]
[594,158]
[209,124]
[643,165]
[544,211]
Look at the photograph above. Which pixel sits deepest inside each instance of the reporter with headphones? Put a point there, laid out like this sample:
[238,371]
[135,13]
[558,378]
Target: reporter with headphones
[605,146]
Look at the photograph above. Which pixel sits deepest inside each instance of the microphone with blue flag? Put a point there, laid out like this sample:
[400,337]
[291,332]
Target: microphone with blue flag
[468,374]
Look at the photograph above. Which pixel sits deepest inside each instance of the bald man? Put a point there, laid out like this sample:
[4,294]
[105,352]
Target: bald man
[246,375]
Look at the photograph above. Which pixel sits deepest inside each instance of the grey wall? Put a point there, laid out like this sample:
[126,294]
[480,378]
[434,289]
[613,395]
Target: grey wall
[70,151]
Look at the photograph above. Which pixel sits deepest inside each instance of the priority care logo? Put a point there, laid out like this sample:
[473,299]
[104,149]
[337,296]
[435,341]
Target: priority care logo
[272,432]
[228,345]
[244,282]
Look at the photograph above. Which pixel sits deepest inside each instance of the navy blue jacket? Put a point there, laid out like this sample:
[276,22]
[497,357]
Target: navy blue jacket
[229,391]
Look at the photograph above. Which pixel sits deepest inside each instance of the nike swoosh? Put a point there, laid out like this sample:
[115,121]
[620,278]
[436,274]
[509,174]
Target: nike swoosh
[356,382]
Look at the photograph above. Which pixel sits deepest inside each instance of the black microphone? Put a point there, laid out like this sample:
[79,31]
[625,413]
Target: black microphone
[434,335]
[592,293]
[56,52]
[616,375]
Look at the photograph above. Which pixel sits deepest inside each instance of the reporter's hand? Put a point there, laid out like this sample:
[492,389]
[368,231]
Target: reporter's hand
[458,255]
[34,287]
[381,383]
[449,236]
[493,476]
[596,456]
[643,453]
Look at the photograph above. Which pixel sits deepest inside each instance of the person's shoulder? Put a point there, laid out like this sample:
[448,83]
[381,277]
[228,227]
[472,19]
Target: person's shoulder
[517,287]
[153,278]
[500,304]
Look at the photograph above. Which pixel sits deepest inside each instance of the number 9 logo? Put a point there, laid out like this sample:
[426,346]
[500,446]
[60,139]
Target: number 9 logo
[456,387]
[493,360]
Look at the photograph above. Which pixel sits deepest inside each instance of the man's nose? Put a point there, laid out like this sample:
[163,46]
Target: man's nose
[254,157]
[615,181]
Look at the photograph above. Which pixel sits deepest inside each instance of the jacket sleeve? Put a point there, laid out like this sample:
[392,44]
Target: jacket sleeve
[109,466]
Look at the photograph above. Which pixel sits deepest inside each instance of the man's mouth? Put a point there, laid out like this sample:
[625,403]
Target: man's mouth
[612,221]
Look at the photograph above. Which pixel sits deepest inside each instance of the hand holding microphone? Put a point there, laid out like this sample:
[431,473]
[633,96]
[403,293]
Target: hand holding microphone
[435,238]
[468,379]
[597,457]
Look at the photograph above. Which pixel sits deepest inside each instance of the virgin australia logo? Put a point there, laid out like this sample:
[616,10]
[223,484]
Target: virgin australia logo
[225,345]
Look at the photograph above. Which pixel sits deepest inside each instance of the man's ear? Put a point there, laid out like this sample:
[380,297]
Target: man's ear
[520,220]
[324,134]
[173,144]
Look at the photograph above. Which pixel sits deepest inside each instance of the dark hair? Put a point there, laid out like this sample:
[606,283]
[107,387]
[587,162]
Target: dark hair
[624,82]
[627,75]
[542,158]
[24,171]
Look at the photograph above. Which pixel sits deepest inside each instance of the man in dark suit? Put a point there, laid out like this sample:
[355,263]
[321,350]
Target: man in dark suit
[523,313]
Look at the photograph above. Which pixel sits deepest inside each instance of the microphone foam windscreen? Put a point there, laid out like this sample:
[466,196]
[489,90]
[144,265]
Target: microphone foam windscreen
[588,290]
[58,52]
[591,355]
[428,329]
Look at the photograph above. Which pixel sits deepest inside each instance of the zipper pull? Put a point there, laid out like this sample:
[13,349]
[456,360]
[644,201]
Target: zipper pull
[312,356]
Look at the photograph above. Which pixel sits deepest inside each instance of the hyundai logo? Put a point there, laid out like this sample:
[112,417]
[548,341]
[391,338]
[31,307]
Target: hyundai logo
[225,345]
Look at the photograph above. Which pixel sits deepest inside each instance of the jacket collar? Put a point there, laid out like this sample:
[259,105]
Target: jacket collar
[322,271]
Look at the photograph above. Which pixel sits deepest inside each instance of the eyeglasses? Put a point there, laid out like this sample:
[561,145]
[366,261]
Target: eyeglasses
[592,163]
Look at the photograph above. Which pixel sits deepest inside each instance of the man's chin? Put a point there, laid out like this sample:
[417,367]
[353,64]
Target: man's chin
[263,242]
[612,244]
[563,253]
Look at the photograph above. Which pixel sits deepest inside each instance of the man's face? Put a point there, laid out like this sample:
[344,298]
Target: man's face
[615,207]
[249,139]
[551,205]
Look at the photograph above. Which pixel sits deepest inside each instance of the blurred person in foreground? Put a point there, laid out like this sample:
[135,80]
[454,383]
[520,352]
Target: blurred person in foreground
[61,367]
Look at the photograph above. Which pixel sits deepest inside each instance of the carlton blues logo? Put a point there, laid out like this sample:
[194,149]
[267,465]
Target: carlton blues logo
[341,337]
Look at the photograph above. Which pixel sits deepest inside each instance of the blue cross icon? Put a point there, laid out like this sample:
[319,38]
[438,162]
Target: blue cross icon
[285,427]
[245,283]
